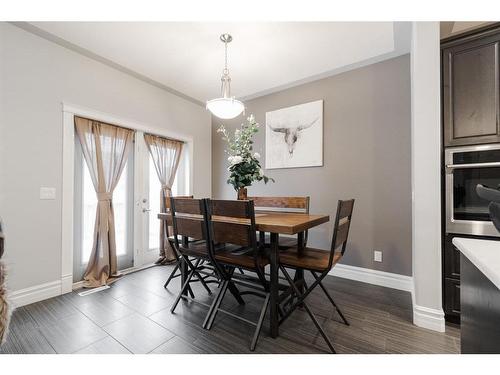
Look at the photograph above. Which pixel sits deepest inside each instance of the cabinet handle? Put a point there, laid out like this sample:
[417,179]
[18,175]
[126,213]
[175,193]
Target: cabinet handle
[473,165]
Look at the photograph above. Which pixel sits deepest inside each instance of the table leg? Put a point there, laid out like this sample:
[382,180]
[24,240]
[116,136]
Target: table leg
[299,273]
[184,267]
[163,238]
[274,285]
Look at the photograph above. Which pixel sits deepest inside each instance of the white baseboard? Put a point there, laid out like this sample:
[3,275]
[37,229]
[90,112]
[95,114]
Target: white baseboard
[366,275]
[428,318]
[35,293]
[66,283]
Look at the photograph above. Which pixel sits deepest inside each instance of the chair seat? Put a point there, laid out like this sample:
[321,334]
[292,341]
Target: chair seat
[240,257]
[309,259]
[171,239]
[195,249]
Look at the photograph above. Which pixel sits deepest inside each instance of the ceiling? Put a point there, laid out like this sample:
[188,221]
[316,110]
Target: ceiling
[188,58]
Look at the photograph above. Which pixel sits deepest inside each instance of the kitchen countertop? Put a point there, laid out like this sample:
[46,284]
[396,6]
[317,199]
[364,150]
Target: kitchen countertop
[484,254]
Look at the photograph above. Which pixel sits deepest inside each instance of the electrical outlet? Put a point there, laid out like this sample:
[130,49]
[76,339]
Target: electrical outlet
[377,256]
[47,193]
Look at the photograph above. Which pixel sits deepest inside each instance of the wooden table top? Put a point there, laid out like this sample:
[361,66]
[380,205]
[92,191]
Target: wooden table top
[277,222]
[287,223]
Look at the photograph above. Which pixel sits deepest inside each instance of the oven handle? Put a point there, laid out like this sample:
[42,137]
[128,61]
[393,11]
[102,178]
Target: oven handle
[473,165]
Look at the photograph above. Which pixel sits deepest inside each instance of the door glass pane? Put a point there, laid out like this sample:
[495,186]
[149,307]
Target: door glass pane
[89,214]
[120,207]
[154,205]
[89,211]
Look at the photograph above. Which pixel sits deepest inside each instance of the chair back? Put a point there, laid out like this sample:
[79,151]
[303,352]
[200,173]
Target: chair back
[189,219]
[167,200]
[232,222]
[281,204]
[167,209]
[341,227]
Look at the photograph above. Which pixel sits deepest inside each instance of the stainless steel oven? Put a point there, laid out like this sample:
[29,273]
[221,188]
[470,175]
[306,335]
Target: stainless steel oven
[466,212]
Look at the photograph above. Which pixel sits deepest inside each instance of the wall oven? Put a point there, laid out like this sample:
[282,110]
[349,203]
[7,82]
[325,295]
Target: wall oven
[466,212]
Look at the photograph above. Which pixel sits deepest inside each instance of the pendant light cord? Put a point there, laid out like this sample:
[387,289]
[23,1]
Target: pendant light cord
[225,58]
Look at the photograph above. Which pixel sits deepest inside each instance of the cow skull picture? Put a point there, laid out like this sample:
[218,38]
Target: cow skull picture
[294,136]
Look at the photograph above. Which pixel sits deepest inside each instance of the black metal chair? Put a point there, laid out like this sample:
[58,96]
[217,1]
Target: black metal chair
[170,238]
[232,223]
[319,263]
[189,222]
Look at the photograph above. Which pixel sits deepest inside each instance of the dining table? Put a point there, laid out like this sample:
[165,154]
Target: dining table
[286,223]
[280,223]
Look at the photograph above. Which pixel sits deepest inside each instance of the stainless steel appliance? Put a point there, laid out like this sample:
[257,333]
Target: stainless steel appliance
[466,167]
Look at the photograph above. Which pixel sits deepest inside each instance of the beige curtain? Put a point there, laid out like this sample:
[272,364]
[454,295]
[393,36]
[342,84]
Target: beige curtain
[105,149]
[166,155]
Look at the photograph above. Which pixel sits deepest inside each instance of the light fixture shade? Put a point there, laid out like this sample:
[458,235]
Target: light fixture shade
[225,108]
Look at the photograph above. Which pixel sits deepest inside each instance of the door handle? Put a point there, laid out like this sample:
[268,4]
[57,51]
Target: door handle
[146,210]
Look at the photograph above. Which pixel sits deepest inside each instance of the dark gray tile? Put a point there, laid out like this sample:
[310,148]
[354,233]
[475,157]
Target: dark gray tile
[176,345]
[26,341]
[105,310]
[122,287]
[185,323]
[145,303]
[51,311]
[138,333]
[72,333]
[381,322]
[107,345]
[21,319]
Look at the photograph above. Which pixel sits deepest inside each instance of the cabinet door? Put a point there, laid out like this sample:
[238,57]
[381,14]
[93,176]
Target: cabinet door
[471,92]
[452,297]
[451,259]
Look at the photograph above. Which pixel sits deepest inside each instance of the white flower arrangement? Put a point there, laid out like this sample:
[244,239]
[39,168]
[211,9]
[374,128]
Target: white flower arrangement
[244,166]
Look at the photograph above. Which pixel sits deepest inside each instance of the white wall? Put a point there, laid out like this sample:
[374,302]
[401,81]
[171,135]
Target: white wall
[426,176]
[36,76]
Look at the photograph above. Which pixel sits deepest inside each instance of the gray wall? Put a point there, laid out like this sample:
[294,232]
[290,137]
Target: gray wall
[36,76]
[366,156]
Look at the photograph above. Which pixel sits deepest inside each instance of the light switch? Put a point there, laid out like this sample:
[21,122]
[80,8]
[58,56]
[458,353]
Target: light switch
[47,193]
[377,256]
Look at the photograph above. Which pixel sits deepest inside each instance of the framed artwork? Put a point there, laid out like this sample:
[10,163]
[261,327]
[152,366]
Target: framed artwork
[294,136]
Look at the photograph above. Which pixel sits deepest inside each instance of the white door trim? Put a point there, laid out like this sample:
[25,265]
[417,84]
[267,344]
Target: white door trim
[68,153]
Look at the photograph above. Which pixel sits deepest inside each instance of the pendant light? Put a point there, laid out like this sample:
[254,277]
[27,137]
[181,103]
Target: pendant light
[226,107]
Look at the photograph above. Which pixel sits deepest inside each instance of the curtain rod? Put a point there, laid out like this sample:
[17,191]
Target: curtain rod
[124,127]
[162,136]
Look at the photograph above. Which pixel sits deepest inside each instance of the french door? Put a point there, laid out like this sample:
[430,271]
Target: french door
[136,204]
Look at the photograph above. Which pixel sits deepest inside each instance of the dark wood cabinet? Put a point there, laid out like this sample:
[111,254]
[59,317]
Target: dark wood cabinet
[470,107]
[480,316]
[452,298]
[451,280]
[471,89]
[451,260]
